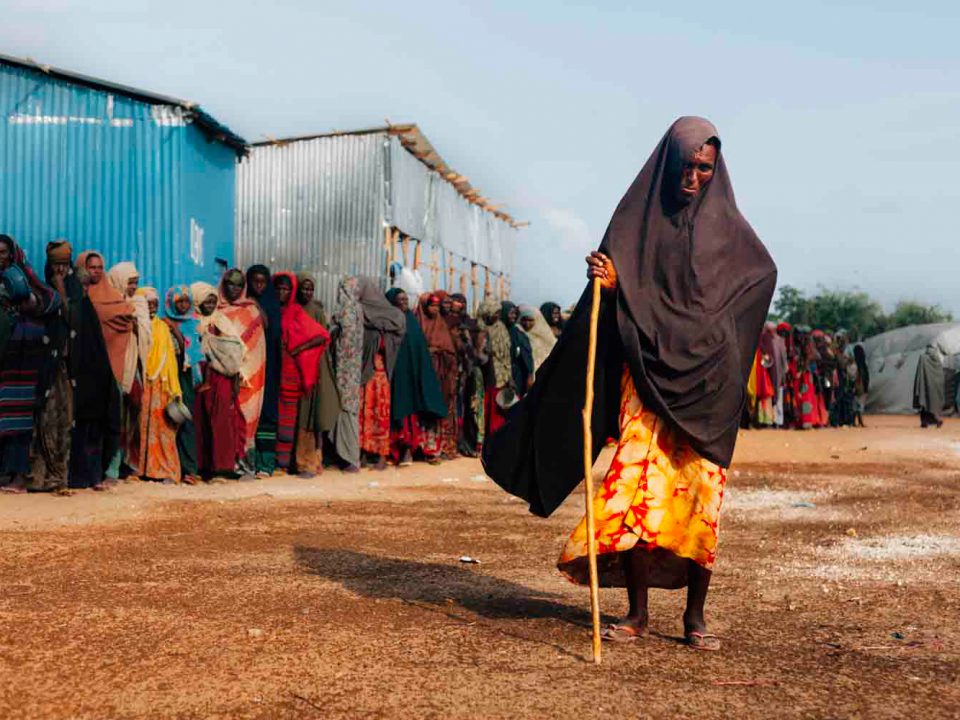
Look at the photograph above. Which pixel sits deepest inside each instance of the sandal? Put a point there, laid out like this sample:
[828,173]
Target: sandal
[621,633]
[702,641]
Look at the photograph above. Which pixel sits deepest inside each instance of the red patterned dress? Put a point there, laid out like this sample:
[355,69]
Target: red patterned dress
[375,410]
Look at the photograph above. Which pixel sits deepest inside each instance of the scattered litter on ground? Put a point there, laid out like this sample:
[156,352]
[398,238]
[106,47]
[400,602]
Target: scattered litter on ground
[373,484]
[449,480]
[469,560]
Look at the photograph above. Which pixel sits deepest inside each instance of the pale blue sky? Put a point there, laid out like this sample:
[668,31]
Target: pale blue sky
[840,120]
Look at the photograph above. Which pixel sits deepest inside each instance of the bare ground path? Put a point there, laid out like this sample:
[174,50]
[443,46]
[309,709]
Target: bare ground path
[837,594]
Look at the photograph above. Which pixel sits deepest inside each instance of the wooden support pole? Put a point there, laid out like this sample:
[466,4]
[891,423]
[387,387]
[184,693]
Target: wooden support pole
[416,255]
[474,288]
[451,271]
[388,252]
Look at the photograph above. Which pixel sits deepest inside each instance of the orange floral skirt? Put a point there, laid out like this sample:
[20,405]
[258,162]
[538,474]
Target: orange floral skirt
[658,494]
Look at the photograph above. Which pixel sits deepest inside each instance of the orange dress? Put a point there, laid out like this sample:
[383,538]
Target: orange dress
[658,494]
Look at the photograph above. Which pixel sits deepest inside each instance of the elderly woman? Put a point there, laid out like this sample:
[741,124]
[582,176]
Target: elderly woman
[383,334]
[347,329]
[444,350]
[553,316]
[55,412]
[498,375]
[260,289]
[105,328]
[686,289]
[246,317]
[318,409]
[125,279]
[221,428]
[303,342]
[416,400]
[24,304]
[541,337]
[157,455]
[181,317]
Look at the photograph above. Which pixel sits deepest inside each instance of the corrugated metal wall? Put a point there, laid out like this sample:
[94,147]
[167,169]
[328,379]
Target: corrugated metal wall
[133,180]
[322,205]
[455,233]
[314,205]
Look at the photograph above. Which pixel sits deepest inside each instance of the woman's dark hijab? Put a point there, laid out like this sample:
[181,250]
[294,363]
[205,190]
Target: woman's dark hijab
[414,387]
[270,307]
[547,310]
[381,321]
[695,285]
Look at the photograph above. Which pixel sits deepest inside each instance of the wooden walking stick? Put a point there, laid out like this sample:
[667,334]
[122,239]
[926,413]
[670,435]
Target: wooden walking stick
[588,470]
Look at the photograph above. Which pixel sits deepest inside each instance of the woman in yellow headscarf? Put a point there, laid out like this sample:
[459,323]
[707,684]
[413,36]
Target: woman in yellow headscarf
[158,455]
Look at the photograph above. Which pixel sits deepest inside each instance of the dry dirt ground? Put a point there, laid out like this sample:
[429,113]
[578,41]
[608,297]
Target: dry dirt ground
[836,593]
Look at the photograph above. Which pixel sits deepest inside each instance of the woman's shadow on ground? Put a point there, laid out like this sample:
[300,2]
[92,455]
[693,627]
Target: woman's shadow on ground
[437,587]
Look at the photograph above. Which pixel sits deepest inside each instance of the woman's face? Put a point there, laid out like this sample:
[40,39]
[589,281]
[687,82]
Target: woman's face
[445,305]
[182,305]
[512,316]
[401,301]
[555,316]
[433,309]
[305,292]
[6,255]
[208,306]
[153,305]
[94,265]
[527,323]
[233,289]
[696,173]
[456,306]
[258,283]
[132,285]
[284,289]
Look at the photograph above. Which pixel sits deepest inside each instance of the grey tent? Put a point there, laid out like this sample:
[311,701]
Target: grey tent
[893,357]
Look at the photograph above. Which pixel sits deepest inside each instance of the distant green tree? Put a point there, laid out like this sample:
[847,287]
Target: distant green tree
[908,312]
[854,311]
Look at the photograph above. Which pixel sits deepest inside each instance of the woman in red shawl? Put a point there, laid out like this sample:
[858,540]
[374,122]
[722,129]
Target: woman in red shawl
[303,342]
[443,353]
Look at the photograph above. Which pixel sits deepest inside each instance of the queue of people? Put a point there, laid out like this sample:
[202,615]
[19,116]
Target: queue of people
[804,378]
[104,378]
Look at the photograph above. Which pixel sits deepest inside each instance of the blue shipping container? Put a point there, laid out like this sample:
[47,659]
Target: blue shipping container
[134,175]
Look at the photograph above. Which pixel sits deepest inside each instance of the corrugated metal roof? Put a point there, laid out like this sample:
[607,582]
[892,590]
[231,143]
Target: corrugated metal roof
[417,144]
[214,129]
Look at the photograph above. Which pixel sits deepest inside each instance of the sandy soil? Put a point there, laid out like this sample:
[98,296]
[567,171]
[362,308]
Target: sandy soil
[836,594]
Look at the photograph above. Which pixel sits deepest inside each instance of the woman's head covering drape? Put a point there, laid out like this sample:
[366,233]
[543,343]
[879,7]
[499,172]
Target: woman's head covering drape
[414,387]
[695,285]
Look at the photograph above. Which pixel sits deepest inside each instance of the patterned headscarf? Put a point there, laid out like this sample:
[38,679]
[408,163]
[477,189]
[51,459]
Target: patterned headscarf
[189,326]
[500,344]
[349,357]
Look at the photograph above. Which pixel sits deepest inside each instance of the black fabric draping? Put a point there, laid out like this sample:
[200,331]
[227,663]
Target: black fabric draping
[414,387]
[695,284]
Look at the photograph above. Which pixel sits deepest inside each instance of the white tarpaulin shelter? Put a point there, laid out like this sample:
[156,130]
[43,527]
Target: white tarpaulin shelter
[893,356]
